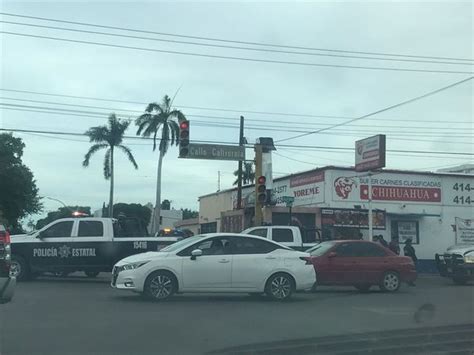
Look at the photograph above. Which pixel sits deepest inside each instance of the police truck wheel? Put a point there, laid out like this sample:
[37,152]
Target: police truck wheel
[91,274]
[160,285]
[19,268]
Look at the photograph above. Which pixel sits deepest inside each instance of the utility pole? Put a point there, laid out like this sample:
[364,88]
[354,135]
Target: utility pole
[258,172]
[263,167]
[218,180]
[371,217]
[239,178]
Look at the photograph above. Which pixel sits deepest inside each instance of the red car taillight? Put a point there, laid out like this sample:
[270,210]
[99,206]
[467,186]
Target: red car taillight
[306,259]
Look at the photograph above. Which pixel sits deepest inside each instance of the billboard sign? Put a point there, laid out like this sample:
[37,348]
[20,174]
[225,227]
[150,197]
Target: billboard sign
[388,187]
[370,153]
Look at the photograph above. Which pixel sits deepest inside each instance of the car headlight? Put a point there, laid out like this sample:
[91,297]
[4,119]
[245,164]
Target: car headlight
[133,266]
[469,258]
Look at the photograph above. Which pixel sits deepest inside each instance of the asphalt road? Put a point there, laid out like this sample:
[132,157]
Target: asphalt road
[83,316]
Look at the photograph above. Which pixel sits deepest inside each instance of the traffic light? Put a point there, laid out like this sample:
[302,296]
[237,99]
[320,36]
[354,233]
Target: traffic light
[183,138]
[261,190]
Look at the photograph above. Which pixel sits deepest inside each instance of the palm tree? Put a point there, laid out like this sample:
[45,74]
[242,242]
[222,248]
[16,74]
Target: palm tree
[248,175]
[109,137]
[160,116]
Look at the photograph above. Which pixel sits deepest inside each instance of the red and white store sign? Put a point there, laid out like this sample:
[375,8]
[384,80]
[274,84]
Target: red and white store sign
[307,189]
[408,194]
[387,187]
[307,179]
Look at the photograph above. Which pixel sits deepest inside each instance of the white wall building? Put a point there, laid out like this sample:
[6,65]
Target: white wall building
[407,204]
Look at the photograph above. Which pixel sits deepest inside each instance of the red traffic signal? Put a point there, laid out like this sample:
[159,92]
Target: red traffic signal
[261,189]
[183,138]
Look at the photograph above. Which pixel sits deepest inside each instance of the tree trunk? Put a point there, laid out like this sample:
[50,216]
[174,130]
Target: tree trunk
[155,227]
[111,197]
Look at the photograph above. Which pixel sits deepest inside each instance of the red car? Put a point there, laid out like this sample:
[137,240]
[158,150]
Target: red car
[361,264]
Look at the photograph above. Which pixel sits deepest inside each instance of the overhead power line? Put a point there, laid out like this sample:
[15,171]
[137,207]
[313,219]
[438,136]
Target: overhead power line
[261,44]
[274,123]
[266,50]
[394,135]
[271,61]
[382,110]
[248,145]
[286,114]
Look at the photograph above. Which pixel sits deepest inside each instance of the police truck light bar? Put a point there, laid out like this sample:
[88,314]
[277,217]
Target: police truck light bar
[183,138]
[261,190]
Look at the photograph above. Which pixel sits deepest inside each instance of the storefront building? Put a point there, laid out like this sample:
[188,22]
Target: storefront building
[435,210]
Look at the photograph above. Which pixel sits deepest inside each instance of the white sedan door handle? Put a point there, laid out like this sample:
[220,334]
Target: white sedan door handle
[224,261]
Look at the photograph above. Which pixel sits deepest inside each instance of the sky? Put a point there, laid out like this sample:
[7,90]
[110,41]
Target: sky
[442,122]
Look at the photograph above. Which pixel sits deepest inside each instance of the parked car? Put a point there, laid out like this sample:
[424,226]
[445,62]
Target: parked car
[457,263]
[7,282]
[221,262]
[361,264]
[291,236]
[88,244]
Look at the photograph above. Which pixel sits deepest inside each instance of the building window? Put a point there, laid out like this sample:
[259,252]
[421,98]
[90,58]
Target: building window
[403,230]
[209,227]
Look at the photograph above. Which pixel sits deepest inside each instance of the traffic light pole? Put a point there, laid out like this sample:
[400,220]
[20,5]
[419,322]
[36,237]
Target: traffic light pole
[239,178]
[258,172]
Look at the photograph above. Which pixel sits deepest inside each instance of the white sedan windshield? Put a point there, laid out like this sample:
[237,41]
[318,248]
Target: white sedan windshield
[181,244]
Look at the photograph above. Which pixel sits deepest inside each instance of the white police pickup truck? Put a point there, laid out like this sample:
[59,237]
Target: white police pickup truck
[290,236]
[91,245]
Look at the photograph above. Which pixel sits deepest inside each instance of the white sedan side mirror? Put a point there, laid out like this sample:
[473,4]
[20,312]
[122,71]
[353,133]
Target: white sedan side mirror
[195,253]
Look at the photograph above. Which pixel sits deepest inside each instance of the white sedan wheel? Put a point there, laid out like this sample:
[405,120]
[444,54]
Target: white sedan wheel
[280,287]
[160,285]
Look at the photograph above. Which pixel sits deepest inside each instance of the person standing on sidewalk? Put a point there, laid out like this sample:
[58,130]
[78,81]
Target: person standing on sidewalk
[408,250]
[394,246]
[381,241]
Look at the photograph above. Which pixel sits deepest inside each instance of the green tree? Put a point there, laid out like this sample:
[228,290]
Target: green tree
[160,117]
[188,214]
[109,137]
[248,175]
[61,212]
[166,205]
[18,191]
[134,210]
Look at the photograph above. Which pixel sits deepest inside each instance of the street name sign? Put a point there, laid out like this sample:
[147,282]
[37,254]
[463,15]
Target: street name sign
[215,152]
[288,200]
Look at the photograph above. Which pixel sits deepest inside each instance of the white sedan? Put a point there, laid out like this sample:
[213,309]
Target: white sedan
[219,262]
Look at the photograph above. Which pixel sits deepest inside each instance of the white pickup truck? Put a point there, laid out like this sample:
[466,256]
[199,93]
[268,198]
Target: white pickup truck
[290,236]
